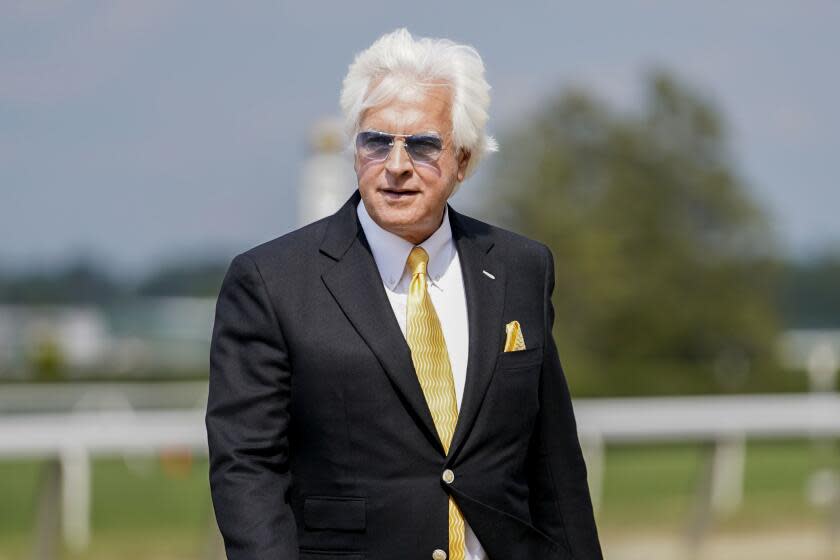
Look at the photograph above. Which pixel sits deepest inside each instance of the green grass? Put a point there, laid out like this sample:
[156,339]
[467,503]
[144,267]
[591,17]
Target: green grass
[146,510]
[648,486]
[655,487]
[18,488]
[139,510]
[147,498]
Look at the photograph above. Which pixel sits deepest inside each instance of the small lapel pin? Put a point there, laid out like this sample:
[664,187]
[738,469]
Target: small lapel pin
[488,275]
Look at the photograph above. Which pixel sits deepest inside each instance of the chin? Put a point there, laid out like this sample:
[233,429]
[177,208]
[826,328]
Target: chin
[399,219]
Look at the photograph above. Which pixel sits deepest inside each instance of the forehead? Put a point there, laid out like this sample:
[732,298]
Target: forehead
[417,110]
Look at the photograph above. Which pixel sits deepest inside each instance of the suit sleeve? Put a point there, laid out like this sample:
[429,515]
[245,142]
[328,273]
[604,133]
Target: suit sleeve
[559,494]
[247,421]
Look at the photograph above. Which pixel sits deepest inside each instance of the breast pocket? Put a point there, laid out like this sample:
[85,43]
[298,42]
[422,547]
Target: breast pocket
[514,395]
[527,358]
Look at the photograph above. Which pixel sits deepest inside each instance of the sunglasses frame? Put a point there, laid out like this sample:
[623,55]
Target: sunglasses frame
[408,140]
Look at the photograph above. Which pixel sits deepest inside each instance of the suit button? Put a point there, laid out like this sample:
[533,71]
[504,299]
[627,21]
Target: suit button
[438,555]
[448,477]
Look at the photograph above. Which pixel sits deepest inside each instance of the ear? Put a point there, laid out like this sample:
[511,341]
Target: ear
[463,161]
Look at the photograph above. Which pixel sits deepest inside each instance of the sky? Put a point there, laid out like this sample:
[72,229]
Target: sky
[140,132]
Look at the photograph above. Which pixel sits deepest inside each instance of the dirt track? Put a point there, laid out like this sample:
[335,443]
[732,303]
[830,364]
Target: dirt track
[779,545]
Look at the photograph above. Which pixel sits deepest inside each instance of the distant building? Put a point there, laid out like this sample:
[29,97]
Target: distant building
[148,336]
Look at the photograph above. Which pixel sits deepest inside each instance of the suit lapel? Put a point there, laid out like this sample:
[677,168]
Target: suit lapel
[485,300]
[355,284]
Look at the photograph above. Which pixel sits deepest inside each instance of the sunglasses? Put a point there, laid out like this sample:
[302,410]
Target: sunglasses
[375,146]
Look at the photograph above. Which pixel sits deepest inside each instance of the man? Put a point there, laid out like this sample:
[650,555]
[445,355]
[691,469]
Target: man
[384,384]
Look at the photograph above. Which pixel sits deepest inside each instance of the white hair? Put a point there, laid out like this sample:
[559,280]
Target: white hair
[396,64]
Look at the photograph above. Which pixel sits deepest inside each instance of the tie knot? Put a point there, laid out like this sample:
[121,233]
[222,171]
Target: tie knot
[417,260]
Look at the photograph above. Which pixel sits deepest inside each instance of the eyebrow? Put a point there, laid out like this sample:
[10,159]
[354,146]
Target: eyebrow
[424,133]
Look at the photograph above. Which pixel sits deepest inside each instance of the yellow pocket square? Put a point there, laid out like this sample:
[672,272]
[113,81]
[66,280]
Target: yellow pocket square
[514,340]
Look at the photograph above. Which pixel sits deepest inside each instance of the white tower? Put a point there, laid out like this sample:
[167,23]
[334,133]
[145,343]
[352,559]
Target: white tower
[327,178]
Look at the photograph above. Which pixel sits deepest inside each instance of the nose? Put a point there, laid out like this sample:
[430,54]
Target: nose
[398,161]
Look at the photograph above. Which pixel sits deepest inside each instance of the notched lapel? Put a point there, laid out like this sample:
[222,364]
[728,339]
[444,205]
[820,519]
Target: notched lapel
[355,284]
[485,300]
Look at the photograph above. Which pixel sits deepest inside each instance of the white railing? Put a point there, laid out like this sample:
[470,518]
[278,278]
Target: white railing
[70,439]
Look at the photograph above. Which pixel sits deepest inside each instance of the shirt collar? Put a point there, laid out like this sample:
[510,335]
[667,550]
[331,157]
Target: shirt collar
[390,251]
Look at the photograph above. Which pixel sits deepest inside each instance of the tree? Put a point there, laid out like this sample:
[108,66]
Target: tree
[663,261]
[809,296]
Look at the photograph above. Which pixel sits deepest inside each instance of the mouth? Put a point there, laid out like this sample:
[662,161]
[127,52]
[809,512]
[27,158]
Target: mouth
[399,194]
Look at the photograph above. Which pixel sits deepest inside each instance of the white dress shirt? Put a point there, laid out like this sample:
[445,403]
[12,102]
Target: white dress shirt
[446,289]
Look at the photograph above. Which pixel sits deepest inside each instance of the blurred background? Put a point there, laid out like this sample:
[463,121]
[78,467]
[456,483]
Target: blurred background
[679,159]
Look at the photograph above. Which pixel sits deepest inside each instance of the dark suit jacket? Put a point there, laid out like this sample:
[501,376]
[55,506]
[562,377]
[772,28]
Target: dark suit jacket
[321,443]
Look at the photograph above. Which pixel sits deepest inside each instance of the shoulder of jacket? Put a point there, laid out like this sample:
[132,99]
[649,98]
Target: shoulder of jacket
[507,241]
[297,241]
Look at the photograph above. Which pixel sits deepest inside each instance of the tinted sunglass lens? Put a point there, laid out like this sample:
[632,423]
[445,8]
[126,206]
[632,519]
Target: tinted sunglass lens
[423,148]
[373,145]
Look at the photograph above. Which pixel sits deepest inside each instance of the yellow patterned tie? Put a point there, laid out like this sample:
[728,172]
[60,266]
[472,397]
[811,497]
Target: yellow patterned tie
[431,362]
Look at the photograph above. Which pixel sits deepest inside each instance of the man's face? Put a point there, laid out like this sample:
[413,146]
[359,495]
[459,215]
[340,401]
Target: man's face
[402,195]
